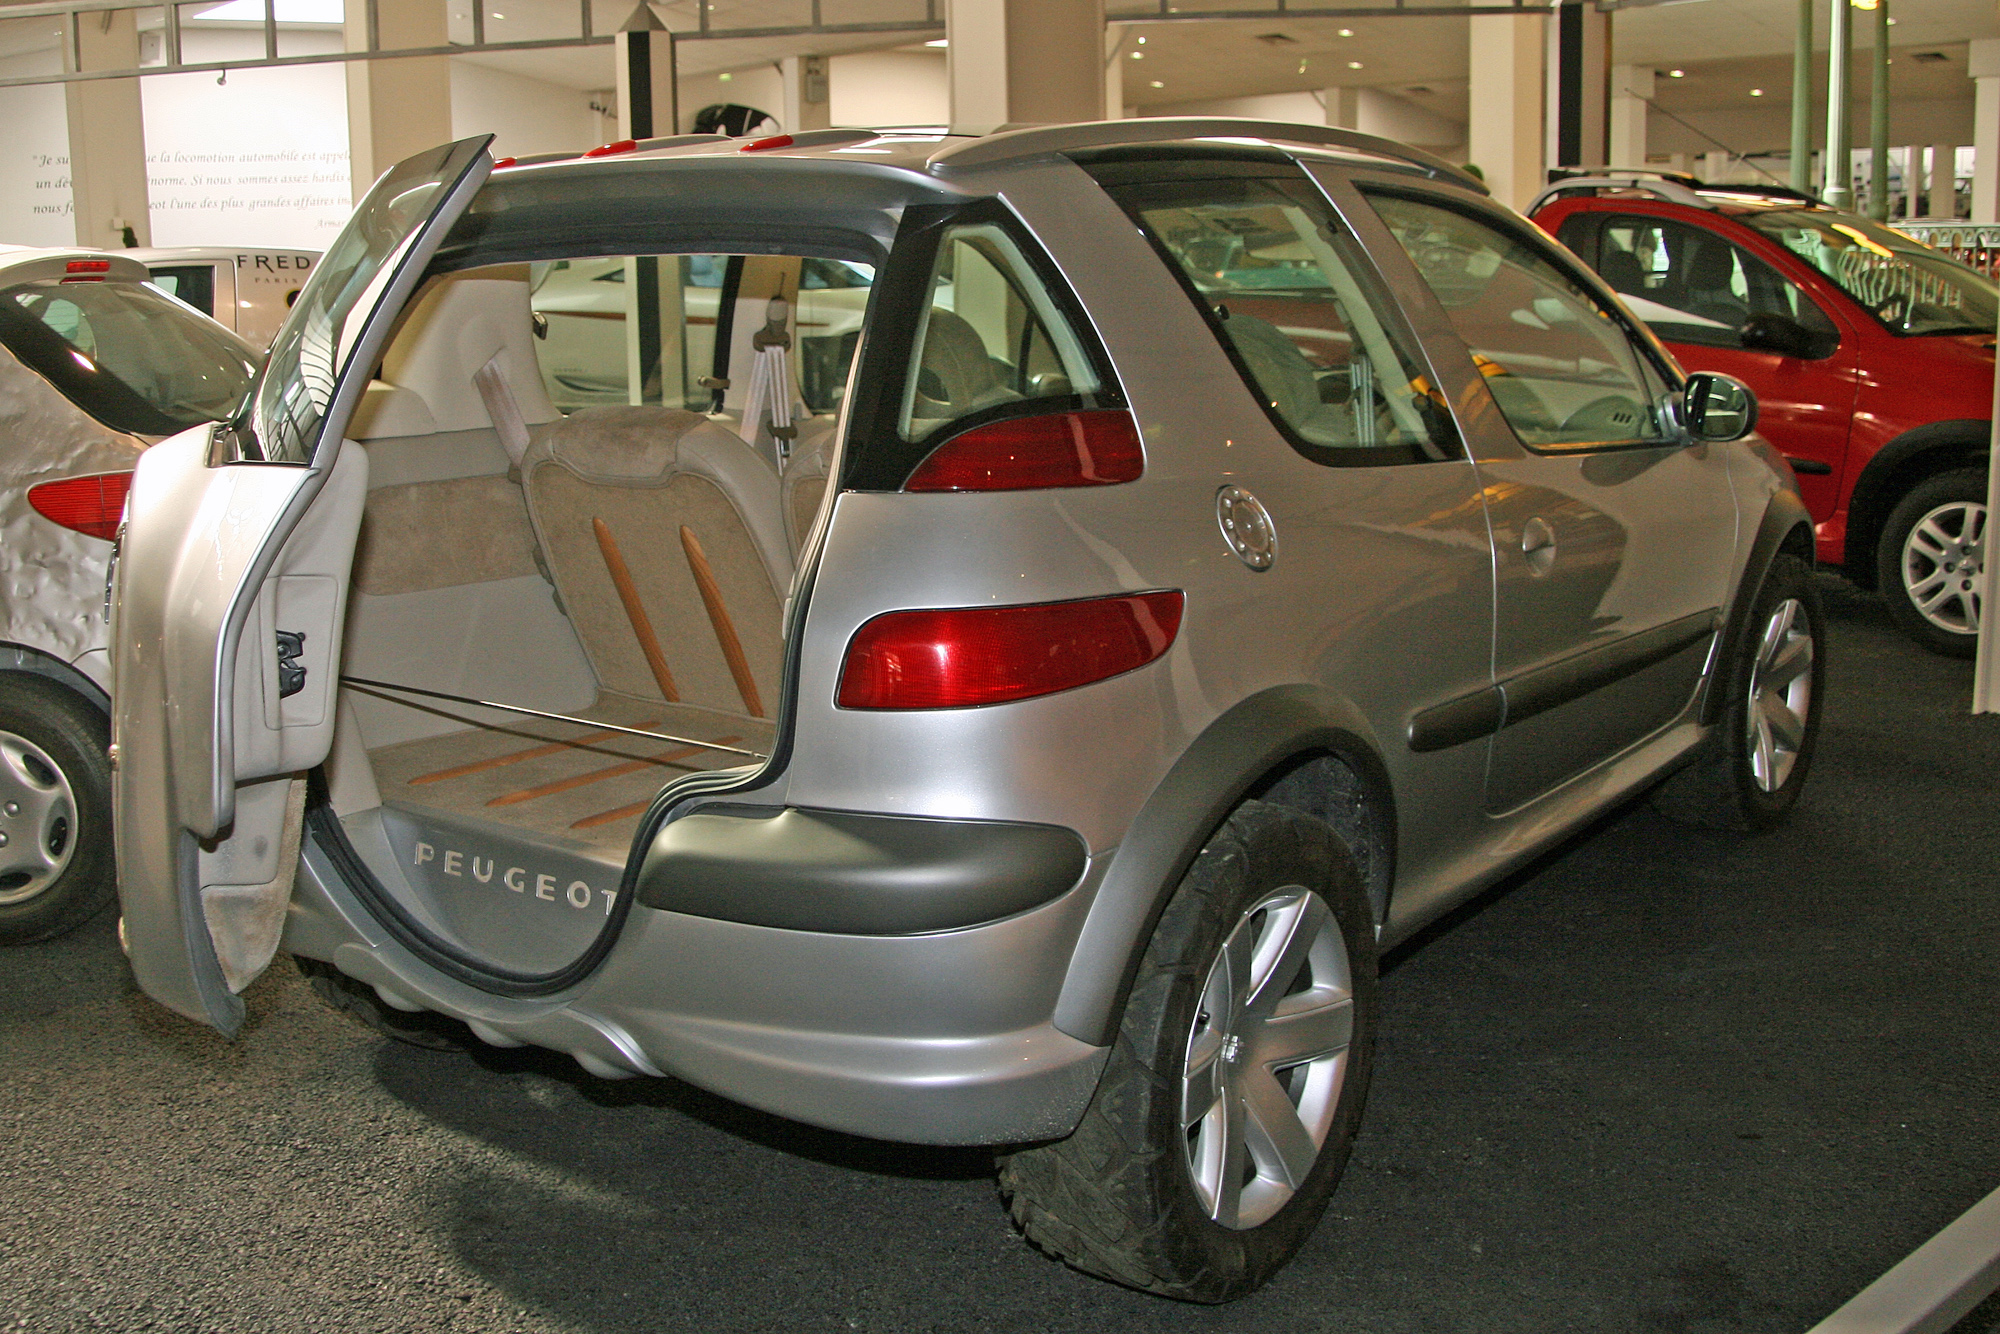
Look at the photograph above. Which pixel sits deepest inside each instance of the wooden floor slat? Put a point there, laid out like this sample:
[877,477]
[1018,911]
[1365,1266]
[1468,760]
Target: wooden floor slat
[517,757]
[600,775]
[611,817]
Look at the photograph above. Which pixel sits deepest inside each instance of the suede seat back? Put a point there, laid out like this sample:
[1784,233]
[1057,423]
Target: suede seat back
[645,474]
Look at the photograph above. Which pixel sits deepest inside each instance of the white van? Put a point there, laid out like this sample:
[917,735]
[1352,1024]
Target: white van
[248,290]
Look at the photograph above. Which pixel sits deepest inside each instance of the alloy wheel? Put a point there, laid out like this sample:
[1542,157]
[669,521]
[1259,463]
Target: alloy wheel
[1780,694]
[1942,559]
[37,819]
[1266,1057]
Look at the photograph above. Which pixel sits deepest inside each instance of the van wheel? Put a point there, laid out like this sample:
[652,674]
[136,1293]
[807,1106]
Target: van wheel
[1928,564]
[358,1001]
[1236,1080]
[56,865]
[1753,767]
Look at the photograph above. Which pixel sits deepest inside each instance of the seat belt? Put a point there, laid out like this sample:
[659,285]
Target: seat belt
[502,410]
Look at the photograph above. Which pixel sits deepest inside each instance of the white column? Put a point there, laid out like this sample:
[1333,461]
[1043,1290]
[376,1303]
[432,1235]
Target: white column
[808,104]
[1504,136]
[1913,183]
[1115,37]
[1983,64]
[647,66]
[107,137]
[1024,62]
[395,107]
[1631,87]
[1343,108]
[1938,183]
[1714,165]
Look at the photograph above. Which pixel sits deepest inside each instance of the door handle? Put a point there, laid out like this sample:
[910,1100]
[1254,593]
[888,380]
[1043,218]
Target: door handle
[1538,545]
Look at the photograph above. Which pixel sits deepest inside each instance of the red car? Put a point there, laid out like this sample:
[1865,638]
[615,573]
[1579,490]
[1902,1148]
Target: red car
[1871,356]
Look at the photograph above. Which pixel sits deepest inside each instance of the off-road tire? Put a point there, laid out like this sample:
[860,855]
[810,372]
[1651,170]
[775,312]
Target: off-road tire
[358,1001]
[1961,486]
[74,736]
[1116,1198]
[1720,790]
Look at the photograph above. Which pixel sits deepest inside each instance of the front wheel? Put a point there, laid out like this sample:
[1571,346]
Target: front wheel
[1928,565]
[1229,1104]
[1755,765]
[56,870]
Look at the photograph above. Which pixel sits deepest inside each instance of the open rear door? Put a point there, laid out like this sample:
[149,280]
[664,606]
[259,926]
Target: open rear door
[231,589]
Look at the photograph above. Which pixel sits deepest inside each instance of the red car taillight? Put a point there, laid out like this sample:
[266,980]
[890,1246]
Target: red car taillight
[958,657]
[1094,448]
[87,505]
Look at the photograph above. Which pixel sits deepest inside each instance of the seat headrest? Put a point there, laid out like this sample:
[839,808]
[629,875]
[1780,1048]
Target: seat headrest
[956,355]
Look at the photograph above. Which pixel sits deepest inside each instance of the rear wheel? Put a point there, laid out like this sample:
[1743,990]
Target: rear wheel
[1754,768]
[1235,1084]
[1928,565]
[56,869]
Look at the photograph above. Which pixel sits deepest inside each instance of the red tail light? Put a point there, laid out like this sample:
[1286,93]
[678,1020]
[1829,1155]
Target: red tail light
[955,658]
[1097,448]
[88,266]
[88,505]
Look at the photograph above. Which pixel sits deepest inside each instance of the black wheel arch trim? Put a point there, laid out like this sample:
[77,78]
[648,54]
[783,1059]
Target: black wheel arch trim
[1965,442]
[1258,738]
[34,662]
[1785,527]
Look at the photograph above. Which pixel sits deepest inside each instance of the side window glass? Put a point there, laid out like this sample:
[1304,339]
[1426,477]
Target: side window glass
[1693,286]
[990,337]
[1269,265]
[1563,370]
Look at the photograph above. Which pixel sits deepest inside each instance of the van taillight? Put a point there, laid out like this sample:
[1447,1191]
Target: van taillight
[1095,448]
[87,505]
[958,657]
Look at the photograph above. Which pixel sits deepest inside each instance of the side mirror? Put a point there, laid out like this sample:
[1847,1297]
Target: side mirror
[1769,331]
[1717,407]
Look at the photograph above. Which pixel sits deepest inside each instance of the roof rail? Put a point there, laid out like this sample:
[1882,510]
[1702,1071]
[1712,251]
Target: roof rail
[1041,140]
[1671,191]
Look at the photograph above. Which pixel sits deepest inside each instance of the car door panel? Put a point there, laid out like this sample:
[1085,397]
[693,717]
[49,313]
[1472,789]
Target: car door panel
[1611,554]
[230,597]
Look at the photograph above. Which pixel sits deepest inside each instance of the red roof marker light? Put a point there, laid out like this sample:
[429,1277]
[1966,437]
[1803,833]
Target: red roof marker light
[759,145]
[613,149]
[88,266]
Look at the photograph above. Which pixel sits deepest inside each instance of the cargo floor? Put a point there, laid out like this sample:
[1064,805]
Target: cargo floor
[569,782]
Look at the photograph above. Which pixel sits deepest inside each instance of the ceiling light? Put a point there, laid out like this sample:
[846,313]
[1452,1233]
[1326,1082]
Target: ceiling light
[1756,92]
[1354,64]
[938,42]
[1142,41]
[1138,55]
[725,78]
[1158,84]
[1676,74]
[1347,32]
[1865,4]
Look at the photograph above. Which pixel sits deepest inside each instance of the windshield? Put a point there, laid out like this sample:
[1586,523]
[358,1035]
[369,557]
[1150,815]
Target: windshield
[1909,287]
[128,354]
[311,349]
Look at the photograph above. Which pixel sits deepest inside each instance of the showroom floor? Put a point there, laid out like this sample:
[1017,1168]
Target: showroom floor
[1666,1082]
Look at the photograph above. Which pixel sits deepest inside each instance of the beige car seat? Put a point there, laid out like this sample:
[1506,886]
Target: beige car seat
[805,478]
[663,533]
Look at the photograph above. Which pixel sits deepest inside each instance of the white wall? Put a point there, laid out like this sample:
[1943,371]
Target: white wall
[257,160]
[525,115]
[760,86]
[34,164]
[1298,108]
[888,88]
[1393,117]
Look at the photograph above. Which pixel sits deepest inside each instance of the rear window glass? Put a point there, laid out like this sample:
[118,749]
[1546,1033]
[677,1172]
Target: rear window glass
[192,283]
[128,354]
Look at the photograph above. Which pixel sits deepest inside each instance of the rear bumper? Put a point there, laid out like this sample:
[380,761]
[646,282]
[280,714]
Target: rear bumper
[937,1038]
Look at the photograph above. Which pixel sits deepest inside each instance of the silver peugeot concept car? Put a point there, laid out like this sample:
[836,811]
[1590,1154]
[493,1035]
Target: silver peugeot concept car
[1017,716]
